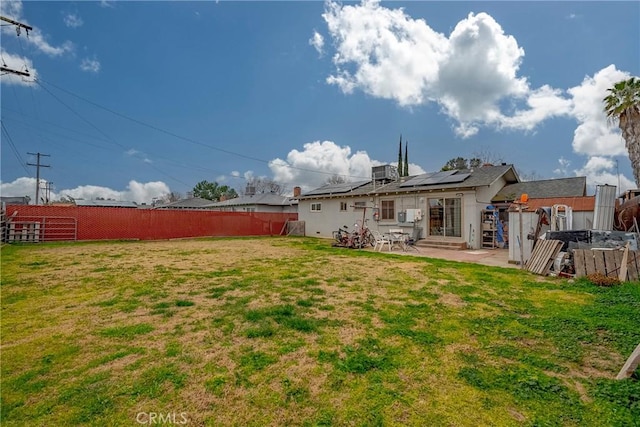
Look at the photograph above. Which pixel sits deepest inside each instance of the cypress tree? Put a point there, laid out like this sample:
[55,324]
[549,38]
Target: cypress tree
[406,159]
[400,169]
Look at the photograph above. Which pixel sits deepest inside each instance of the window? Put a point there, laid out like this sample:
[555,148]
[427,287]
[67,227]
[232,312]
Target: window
[316,207]
[343,206]
[445,217]
[388,210]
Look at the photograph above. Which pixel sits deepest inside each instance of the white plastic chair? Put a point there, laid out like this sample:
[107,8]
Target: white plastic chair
[380,240]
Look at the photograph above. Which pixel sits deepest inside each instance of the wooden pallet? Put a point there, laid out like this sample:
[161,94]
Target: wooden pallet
[543,256]
[606,261]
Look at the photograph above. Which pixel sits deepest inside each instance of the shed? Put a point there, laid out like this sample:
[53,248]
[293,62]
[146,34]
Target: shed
[582,219]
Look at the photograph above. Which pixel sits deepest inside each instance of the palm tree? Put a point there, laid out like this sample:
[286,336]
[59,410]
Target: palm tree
[622,105]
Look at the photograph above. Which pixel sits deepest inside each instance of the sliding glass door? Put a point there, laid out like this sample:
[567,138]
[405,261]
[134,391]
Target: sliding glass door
[445,217]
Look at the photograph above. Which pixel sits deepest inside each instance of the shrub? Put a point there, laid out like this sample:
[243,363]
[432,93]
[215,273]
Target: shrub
[600,279]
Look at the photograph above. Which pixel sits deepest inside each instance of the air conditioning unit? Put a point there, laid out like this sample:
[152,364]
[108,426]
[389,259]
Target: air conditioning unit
[384,172]
[414,215]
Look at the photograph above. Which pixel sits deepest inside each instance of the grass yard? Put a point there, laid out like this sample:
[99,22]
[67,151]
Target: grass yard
[290,331]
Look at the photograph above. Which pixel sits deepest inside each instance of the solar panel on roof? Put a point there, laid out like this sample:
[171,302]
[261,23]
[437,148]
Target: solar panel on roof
[442,177]
[459,177]
[337,188]
[417,180]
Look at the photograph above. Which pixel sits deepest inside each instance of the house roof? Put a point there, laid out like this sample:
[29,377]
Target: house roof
[268,199]
[191,203]
[106,203]
[455,179]
[561,187]
[577,204]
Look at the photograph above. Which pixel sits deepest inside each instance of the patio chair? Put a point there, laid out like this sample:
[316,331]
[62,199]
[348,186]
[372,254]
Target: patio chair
[381,240]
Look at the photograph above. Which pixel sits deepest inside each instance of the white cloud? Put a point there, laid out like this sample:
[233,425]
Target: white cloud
[472,74]
[383,52]
[18,63]
[319,160]
[91,65]
[21,187]
[387,54]
[135,191]
[317,41]
[594,136]
[563,169]
[72,20]
[542,103]
[132,152]
[602,170]
[13,10]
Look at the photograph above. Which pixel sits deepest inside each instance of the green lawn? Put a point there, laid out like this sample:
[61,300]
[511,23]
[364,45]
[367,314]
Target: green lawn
[290,331]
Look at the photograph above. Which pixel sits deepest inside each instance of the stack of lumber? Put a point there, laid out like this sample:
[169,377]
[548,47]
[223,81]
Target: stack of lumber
[543,256]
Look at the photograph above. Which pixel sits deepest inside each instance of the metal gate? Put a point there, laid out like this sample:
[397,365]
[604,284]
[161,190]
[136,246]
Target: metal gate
[42,229]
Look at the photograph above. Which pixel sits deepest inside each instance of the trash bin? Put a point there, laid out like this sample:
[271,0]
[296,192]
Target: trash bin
[402,217]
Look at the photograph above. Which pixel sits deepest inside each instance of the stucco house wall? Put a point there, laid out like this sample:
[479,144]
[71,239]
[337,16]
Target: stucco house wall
[474,191]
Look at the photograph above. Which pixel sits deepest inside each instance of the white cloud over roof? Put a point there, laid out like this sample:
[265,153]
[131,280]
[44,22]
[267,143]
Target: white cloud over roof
[320,160]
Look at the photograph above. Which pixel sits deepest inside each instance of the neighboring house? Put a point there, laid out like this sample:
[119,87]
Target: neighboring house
[267,202]
[547,188]
[105,203]
[441,207]
[15,200]
[571,213]
[190,203]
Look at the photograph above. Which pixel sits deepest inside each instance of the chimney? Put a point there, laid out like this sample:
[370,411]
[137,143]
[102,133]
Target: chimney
[223,197]
[297,191]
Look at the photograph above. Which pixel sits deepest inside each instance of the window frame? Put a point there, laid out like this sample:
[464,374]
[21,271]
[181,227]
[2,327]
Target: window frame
[387,213]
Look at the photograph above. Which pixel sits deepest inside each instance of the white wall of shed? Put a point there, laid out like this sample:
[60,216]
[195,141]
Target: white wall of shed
[582,220]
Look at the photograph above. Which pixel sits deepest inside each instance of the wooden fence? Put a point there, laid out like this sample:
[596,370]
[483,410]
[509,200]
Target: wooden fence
[605,261]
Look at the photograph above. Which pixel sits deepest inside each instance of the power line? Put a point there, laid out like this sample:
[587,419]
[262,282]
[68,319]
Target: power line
[14,149]
[107,136]
[84,141]
[189,140]
[19,25]
[38,165]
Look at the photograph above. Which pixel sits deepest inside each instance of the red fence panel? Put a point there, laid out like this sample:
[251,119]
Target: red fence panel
[105,223]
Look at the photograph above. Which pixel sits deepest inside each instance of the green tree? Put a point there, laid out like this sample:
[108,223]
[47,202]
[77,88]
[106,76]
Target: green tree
[456,163]
[622,106]
[213,191]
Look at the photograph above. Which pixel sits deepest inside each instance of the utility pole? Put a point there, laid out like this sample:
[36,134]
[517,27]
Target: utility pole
[48,186]
[19,26]
[38,165]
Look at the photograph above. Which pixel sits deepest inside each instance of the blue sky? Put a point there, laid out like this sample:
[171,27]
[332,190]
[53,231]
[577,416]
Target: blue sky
[132,100]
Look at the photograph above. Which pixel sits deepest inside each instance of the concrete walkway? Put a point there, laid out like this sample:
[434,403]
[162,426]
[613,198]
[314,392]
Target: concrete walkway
[492,257]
